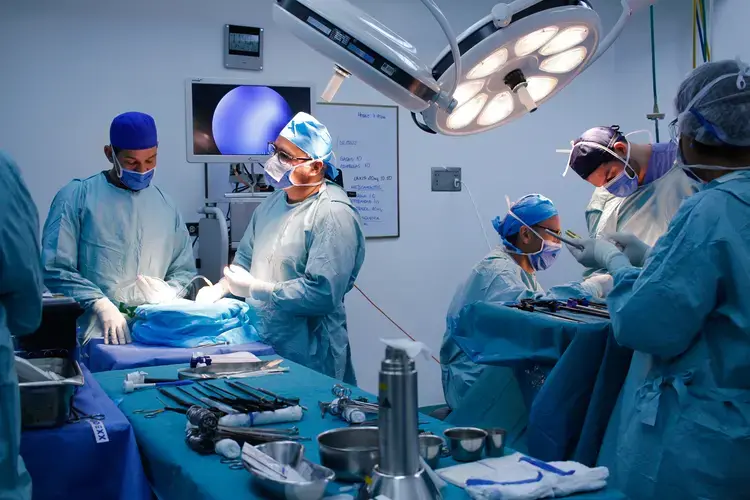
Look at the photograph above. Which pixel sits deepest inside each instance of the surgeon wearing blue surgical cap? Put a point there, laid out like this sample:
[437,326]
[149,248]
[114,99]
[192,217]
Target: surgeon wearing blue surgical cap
[508,274]
[20,314]
[114,239]
[682,426]
[300,254]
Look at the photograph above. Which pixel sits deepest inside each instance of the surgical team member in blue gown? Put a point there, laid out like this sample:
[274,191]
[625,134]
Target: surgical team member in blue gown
[20,314]
[111,234]
[508,274]
[300,254]
[638,188]
[684,424]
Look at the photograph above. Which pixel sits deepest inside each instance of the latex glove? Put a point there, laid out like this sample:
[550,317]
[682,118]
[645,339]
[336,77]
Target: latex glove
[634,249]
[599,286]
[598,254]
[113,322]
[210,294]
[243,284]
[155,291]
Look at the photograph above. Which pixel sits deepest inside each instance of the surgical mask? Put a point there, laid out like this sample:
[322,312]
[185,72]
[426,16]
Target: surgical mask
[278,175]
[541,259]
[133,180]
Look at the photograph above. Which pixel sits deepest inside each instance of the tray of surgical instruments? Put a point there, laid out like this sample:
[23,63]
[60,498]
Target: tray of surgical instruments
[232,370]
[47,403]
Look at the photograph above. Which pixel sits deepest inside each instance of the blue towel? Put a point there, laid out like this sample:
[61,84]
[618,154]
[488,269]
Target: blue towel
[185,323]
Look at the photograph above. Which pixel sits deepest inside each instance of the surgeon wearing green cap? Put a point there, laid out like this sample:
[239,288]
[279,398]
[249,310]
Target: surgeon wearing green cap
[300,254]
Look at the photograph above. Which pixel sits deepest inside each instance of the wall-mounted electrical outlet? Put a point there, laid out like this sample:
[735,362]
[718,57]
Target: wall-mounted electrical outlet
[446,179]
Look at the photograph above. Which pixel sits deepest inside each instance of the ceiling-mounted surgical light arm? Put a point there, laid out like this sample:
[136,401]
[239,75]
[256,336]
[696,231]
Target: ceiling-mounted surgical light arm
[628,8]
[445,99]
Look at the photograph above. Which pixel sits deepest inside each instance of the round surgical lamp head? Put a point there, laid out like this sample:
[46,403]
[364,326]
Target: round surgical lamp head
[512,67]
[361,46]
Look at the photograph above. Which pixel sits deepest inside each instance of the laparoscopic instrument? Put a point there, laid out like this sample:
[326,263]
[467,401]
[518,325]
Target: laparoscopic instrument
[553,307]
[569,238]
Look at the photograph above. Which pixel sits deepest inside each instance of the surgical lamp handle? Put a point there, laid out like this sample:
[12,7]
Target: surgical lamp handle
[452,41]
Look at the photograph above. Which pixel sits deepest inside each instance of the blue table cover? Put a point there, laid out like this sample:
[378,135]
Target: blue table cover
[67,462]
[585,371]
[180,474]
[101,357]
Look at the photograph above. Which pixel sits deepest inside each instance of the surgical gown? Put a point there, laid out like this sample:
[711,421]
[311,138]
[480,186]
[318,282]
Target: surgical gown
[495,279]
[312,251]
[20,313]
[647,212]
[685,430]
[99,237]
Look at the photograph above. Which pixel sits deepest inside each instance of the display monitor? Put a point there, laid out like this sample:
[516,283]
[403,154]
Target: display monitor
[233,122]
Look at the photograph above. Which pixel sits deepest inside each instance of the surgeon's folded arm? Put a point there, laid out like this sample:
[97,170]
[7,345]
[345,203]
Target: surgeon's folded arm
[662,308]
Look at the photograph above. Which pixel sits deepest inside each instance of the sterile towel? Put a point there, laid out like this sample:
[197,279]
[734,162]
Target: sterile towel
[518,477]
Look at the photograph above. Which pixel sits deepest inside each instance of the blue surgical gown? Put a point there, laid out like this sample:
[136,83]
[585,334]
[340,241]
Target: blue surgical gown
[312,251]
[647,212]
[495,279]
[99,237]
[20,313]
[685,430]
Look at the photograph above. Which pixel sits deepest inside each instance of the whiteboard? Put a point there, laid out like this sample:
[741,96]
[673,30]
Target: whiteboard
[366,147]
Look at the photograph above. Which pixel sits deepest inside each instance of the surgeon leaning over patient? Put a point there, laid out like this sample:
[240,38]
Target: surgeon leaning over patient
[508,274]
[300,254]
[20,314]
[684,425]
[638,190]
[114,238]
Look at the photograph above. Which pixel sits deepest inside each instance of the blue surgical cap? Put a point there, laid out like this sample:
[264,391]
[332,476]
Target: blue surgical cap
[133,130]
[586,158]
[531,209]
[312,137]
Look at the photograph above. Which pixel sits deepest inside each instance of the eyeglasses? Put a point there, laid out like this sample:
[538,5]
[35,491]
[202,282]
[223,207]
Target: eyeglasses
[284,156]
[673,130]
[555,232]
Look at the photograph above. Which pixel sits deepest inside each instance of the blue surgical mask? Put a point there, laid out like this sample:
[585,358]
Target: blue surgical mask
[135,180]
[625,184]
[541,259]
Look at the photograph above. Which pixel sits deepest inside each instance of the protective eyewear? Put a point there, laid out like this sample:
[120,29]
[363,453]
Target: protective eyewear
[285,157]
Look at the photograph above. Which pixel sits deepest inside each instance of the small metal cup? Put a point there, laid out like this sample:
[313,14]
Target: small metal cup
[431,448]
[466,443]
[495,442]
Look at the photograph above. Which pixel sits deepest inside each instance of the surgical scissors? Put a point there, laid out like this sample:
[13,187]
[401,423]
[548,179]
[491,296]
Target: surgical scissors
[77,415]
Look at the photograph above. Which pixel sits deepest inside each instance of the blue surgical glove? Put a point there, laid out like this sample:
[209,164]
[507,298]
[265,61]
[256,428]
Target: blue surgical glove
[634,249]
[597,254]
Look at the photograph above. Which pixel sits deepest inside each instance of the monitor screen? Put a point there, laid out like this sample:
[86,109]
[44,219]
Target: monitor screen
[234,122]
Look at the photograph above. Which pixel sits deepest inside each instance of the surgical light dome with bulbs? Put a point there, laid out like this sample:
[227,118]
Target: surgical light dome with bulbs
[511,61]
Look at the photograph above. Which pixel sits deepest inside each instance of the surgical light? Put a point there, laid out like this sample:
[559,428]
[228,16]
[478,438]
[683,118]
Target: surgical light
[564,62]
[499,69]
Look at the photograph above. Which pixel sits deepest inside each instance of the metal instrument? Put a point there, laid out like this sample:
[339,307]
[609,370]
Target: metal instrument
[399,474]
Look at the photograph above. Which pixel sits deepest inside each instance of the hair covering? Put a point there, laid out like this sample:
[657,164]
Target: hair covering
[713,104]
[312,137]
[584,158]
[531,209]
[133,130]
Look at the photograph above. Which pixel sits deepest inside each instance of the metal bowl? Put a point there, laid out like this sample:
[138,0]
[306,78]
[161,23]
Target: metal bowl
[431,449]
[466,443]
[316,476]
[351,452]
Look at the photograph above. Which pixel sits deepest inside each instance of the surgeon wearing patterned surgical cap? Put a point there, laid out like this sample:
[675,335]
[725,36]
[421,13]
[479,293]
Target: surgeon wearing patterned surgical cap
[300,254]
[115,240]
[682,426]
[508,274]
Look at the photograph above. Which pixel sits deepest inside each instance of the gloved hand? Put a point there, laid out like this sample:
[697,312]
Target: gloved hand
[243,284]
[155,291]
[210,294]
[597,254]
[634,249]
[113,322]
[599,285]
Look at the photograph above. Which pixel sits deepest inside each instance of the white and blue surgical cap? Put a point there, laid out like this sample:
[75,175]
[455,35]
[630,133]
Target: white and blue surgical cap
[312,137]
[713,104]
[531,209]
